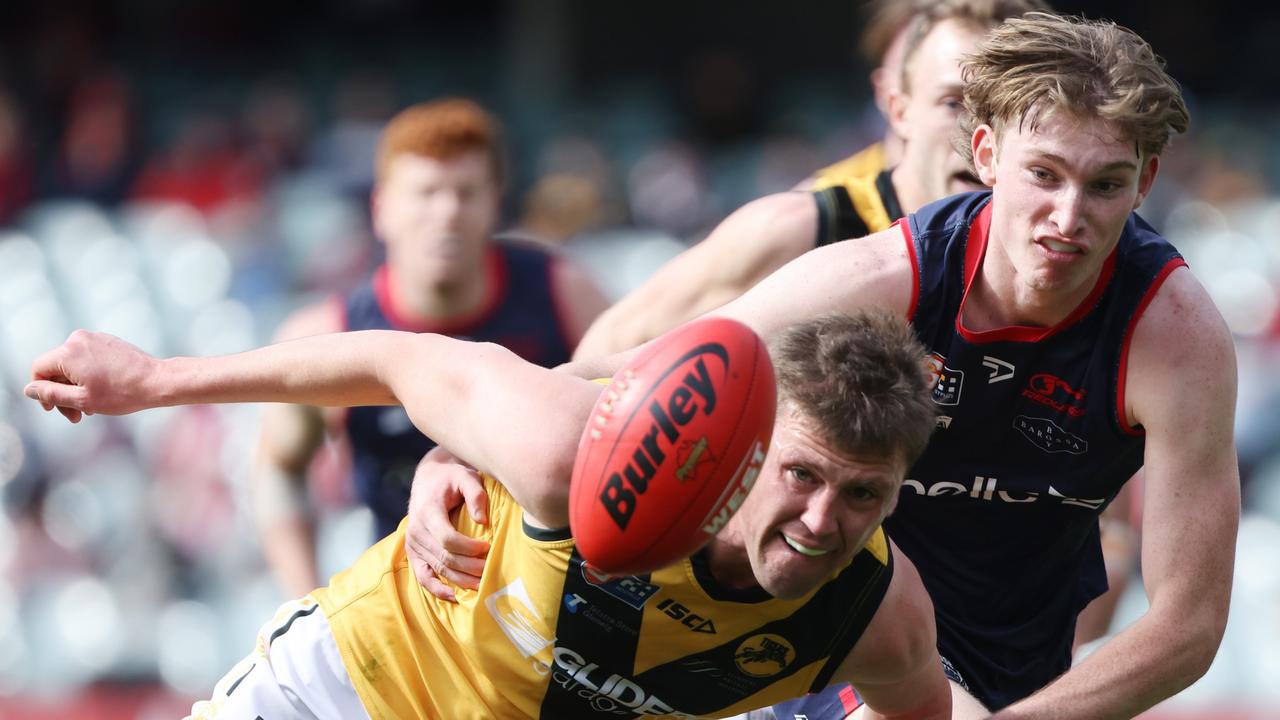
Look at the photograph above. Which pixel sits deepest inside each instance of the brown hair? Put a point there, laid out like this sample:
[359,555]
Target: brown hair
[441,130]
[862,379]
[1031,67]
[981,14]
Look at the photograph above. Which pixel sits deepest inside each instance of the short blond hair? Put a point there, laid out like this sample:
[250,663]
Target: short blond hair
[1031,67]
[441,130]
[861,380]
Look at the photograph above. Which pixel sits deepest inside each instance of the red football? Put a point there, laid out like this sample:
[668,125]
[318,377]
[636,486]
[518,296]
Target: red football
[672,447]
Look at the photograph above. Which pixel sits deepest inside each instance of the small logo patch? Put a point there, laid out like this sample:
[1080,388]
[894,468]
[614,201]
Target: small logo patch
[629,589]
[947,383]
[764,655]
[997,370]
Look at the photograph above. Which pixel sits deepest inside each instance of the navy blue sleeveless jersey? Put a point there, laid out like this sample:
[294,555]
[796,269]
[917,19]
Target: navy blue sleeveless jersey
[521,314]
[1000,514]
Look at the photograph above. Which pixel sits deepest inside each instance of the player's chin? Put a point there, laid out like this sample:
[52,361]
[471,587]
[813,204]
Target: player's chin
[790,586]
[791,575]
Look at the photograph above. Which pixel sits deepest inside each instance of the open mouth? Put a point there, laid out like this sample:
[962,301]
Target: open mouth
[1060,247]
[803,550]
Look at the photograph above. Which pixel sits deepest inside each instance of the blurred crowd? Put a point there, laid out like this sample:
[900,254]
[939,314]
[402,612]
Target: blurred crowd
[129,571]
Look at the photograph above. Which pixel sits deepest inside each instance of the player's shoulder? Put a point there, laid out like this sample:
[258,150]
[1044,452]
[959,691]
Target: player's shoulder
[901,633]
[945,215]
[1179,339]
[1180,313]
[868,162]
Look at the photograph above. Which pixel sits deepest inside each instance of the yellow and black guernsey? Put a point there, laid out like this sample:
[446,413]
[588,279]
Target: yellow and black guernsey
[546,637]
[855,197]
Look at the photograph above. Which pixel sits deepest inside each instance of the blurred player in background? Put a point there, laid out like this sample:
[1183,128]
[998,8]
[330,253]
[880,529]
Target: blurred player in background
[798,590]
[435,205]
[918,85]
[882,46]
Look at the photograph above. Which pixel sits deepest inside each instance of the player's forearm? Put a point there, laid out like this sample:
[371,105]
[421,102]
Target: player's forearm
[325,370]
[1154,659]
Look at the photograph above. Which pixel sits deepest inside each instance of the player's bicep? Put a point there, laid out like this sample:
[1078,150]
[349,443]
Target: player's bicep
[752,243]
[895,665]
[849,277]
[507,417]
[1182,387]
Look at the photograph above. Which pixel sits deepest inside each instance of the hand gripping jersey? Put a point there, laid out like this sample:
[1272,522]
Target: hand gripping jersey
[855,197]
[546,637]
[520,314]
[1000,514]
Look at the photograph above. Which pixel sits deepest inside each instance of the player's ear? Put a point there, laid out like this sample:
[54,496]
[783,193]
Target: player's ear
[984,153]
[880,90]
[1146,178]
[899,122]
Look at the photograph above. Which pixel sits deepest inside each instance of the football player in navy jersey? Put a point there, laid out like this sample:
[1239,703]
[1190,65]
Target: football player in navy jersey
[435,206]
[1071,346]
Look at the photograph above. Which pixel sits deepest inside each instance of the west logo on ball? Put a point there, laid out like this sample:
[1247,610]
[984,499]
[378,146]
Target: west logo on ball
[667,417]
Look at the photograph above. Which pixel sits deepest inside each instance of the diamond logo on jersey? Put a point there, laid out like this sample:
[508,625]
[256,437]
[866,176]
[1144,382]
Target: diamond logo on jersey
[513,610]
[947,382]
[628,588]
[764,655]
[1046,435]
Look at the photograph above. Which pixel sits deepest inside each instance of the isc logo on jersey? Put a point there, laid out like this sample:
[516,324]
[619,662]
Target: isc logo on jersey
[606,693]
[694,622]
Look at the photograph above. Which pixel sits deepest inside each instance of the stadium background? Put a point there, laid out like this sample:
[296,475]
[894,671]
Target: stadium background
[184,174]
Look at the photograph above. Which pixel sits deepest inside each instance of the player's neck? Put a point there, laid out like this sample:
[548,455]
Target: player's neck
[440,300]
[911,196]
[728,561]
[1000,298]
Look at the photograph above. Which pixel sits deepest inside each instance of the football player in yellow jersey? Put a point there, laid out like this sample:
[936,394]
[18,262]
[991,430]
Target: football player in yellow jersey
[799,590]
[763,235]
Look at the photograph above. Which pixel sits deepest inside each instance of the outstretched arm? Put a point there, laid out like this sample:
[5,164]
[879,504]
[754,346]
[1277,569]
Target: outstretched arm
[509,418]
[752,242]
[1192,512]
[849,277]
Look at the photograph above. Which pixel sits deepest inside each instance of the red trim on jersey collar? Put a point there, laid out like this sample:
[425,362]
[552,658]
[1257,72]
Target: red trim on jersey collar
[494,268]
[1121,416]
[915,266]
[975,251]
